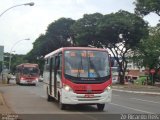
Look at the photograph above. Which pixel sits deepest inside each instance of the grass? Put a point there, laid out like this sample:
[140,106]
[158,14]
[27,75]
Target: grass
[134,86]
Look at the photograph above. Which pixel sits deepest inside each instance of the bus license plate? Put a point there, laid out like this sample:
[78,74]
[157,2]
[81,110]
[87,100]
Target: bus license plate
[89,95]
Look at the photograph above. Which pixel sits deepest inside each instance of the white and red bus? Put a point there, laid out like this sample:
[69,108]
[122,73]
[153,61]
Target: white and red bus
[78,75]
[27,73]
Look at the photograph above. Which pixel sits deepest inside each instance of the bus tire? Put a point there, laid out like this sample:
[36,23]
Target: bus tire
[100,107]
[61,105]
[49,98]
[17,83]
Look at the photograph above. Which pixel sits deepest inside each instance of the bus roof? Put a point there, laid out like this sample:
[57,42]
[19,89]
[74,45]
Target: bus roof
[73,48]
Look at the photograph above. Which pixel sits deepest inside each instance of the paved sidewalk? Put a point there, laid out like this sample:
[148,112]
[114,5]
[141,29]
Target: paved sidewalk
[3,106]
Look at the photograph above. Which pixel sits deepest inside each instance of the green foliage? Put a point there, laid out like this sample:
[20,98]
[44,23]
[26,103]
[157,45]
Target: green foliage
[149,49]
[122,27]
[118,32]
[16,60]
[144,7]
[141,81]
[148,54]
[121,32]
[40,48]
[56,36]
[85,30]
[58,33]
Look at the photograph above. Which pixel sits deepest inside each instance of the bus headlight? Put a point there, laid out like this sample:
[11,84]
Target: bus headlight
[108,88]
[36,79]
[67,88]
[22,78]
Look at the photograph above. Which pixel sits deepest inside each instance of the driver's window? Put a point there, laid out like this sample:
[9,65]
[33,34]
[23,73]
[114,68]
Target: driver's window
[60,63]
[59,69]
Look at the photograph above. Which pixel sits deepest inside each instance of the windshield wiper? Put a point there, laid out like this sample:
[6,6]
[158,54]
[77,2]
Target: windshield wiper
[91,63]
[80,67]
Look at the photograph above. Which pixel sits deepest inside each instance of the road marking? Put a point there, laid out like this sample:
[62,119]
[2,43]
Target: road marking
[115,95]
[43,96]
[132,108]
[145,100]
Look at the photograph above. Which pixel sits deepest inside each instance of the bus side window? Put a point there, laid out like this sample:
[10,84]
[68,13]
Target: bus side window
[47,65]
[53,63]
[59,64]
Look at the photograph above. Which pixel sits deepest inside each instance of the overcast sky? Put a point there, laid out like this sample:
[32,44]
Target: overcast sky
[24,22]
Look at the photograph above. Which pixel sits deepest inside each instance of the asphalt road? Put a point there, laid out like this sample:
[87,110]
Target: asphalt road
[32,100]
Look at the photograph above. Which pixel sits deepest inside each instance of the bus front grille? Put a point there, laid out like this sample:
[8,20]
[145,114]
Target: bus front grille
[83,98]
[88,92]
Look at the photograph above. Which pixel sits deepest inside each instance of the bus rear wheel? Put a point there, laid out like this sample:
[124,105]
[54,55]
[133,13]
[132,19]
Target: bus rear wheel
[100,107]
[17,83]
[49,98]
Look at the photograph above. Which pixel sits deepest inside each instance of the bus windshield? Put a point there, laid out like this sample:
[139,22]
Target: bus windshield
[30,71]
[86,63]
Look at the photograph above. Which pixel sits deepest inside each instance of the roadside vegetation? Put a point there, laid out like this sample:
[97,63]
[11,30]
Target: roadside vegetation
[120,33]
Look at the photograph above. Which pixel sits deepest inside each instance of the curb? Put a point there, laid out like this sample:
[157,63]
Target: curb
[140,92]
[4,109]
[1,100]
[3,85]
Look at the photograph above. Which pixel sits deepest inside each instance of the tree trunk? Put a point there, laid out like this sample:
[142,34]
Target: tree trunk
[121,78]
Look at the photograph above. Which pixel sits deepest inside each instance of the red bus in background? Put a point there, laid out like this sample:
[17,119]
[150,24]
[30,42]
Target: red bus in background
[27,73]
[78,75]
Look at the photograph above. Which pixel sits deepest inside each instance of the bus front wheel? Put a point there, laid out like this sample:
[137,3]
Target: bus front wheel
[100,107]
[61,105]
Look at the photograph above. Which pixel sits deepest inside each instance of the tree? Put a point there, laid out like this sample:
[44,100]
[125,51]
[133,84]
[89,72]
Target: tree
[148,54]
[85,30]
[149,50]
[56,36]
[59,33]
[16,60]
[144,7]
[119,32]
[40,48]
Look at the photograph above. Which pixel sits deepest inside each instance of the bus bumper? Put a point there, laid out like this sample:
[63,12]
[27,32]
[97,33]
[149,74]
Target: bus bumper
[28,82]
[73,98]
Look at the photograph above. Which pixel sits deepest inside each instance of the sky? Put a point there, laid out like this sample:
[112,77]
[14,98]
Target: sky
[28,22]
